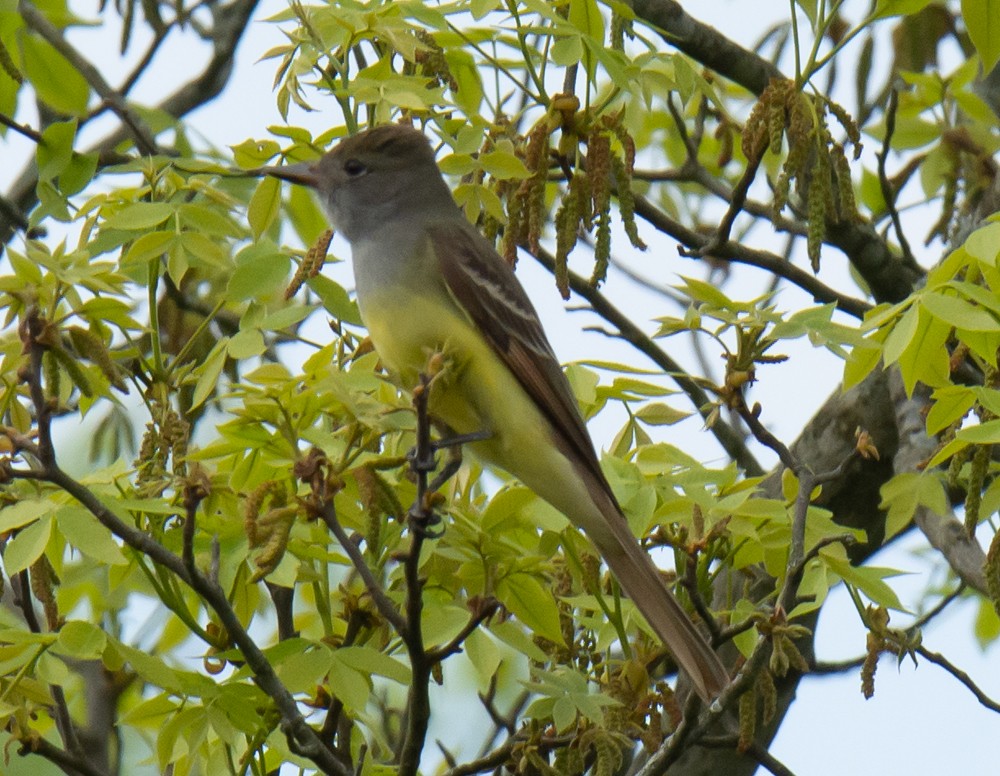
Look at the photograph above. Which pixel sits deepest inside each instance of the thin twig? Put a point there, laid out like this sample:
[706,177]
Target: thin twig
[21,584]
[486,610]
[887,193]
[147,58]
[21,129]
[836,666]
[939,607]
[382,602]
[958,673]
[283,599]
[31,330]
[501,722]
[752,418]
[725,228]
[418,704]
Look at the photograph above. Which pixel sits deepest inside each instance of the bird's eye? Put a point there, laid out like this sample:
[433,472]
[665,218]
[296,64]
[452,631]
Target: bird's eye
[355,168]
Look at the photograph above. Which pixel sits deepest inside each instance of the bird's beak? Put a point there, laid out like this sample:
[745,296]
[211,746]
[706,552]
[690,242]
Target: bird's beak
[304,173]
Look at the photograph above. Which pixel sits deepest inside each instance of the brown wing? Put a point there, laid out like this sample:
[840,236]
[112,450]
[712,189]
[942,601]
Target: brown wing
[487,289]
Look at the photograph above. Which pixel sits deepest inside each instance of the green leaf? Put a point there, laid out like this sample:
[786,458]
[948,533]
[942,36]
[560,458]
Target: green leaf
[246,344]
[505,508]
[335,299]
[905,492]
[254,153]
[809,9]
[659,414]
[78,173]
[206,251]
[55,152]
[264,206]
[306,218]
[28,546]
[152,710]
[886,8]
[987,627]
[140,216]
[370,661]
[82,531]
[979,295]
[700,291]
[22,513]
[982,20]
[302,670]
[953,447]
[155,671]
[57,83]
[951,403]
[285,317]
[442,622]
[210,370]
[982,343]
[564,713]
[532,603]
[469,92]
[584,382]
[868,579]
[984,244]
[901,335]
[987,433]
[51,670]
[482,7]
[911,132]
[458,164]
[261,272]
[348,684]
[747,640]
[81,640]
[586,16]
[566,51]
[147,247]
[958,312]
[926,358]
[504,165]
[483,653]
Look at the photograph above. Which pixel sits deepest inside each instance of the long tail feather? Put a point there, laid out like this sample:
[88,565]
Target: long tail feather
[641,581]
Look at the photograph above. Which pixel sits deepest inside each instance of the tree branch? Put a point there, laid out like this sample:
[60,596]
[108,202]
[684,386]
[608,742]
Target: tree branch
[945,533]
[889,278]
[706,44]
[735,252]
[38,22]
[72,764]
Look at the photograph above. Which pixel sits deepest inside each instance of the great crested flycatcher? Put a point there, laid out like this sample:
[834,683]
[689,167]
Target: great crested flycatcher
[428,282]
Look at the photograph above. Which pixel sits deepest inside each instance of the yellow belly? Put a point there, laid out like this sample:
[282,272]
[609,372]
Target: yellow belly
[476,393]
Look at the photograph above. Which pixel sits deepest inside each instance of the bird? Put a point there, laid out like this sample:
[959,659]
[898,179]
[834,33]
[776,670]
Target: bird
[428,282]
